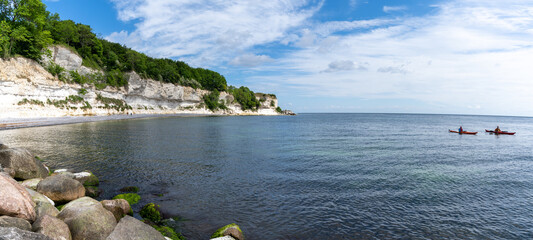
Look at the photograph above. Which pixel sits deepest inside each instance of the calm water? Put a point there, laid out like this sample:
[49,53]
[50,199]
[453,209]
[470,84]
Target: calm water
[312,176]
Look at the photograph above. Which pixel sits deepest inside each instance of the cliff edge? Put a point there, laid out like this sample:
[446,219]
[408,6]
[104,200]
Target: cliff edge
[28,90]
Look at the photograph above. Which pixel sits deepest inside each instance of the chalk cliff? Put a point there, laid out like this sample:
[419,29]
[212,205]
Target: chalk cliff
[28,90]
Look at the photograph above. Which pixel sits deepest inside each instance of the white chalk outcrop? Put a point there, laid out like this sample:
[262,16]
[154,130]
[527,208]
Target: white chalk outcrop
[29,90]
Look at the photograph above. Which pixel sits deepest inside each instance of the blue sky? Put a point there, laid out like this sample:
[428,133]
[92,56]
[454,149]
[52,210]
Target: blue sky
[425,56]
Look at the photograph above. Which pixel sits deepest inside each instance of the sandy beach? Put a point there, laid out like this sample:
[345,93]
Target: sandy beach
[12,123]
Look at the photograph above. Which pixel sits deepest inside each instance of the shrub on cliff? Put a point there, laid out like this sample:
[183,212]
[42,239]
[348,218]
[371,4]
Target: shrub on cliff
[245,97]
[212,102]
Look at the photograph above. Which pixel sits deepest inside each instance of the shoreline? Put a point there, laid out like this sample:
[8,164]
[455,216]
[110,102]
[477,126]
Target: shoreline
[16,123]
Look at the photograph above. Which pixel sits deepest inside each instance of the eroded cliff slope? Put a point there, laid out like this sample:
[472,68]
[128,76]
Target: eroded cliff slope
[28,90]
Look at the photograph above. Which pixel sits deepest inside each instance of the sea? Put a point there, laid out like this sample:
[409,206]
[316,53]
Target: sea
[311,176]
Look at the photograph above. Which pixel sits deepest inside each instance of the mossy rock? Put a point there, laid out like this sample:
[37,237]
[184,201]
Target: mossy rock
[151,212]
[130,189]
[169,232]
[132,198]
[232,230]
[93,192]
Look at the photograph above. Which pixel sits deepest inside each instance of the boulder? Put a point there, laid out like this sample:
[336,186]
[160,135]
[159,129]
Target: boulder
[87,178]
[68,174]
[131,228]
[223,238]
[233,230]
[61,188]
[31,183]
[37,197]
[92,191]
[3,146]
[10,172]
[15,200]
[13,233]
[87,219]
[6,221]
[119,207]
[23,162]
[45,208]
[52,227]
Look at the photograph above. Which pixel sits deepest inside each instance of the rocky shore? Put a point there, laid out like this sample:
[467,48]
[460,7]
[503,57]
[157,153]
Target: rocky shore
[38,203]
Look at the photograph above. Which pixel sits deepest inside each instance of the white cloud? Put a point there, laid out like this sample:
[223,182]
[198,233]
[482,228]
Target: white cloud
[208,31]
[250,60]
[389,9]
[345,65]
[463,55]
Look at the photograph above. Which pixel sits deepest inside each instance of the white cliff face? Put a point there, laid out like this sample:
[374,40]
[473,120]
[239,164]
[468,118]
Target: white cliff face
[28,90]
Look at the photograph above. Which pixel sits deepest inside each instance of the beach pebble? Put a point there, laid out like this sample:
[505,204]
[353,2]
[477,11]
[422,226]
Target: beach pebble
[15,200]
[87,219]
[61,188]
[131,228]
[23,163]
[119,207]
[6,221]
[52,227]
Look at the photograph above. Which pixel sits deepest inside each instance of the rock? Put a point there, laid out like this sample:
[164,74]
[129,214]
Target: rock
[233,230]
[3,146]
[15,200]
[119,207]
[6,221]
[130,189]
[10,172]
[132,198]
[87,219]
[86,178]
[131,228]
[61,188]
[91,191]
[151,212]
[223,238]
[52,227]
[37,197]
[13,233]
[44,208]
[63,57]
[23,162]
[31,183]
[68,174]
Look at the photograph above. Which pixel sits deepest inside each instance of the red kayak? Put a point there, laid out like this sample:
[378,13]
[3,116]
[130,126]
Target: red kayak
[463,132]
[502,132]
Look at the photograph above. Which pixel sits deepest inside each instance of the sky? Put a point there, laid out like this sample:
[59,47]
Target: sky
[378,56]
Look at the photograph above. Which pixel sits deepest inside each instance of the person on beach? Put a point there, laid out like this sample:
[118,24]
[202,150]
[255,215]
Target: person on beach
[497,129]
[461,129]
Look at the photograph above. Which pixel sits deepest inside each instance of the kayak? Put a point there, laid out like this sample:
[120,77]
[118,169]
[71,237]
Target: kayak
[502,132]
[463,132]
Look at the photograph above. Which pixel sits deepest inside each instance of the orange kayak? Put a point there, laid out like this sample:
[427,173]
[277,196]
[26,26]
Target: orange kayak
[502,132]
[463,132]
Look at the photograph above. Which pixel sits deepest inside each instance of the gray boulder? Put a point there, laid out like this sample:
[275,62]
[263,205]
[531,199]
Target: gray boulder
[31,183]
[3,146]
[37,197]
[119,207]
[23,162]
[45,208]
[61,188]
[130,228]
[87,178]
[87,219]
[6,221]
[10,172]
[52,227]
[13,233]
[15,200]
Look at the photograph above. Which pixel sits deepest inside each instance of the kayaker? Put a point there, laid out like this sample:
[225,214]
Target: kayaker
[497,129]
[461,129]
